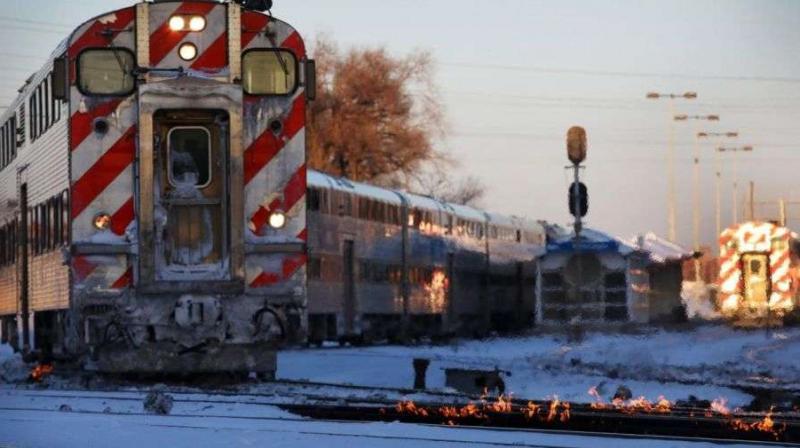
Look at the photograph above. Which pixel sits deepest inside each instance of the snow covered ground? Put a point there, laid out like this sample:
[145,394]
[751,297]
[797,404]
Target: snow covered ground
[30,418]
[704,362]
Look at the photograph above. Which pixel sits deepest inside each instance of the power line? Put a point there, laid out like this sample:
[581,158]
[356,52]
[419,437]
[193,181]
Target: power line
[18,69]
[586,72]
[34,29]
[36,22]
[22,56]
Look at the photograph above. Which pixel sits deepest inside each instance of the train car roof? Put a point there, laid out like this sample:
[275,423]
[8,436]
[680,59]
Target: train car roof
[322,180]
[423,202]
[497,219]
[32,81]
[467,212]
[529,224]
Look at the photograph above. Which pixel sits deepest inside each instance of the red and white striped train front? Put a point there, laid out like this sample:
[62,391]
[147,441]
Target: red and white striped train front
[755,280]
[188,183]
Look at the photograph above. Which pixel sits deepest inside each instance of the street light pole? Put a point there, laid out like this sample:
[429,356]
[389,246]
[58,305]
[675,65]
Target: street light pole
[718,177]
[671,206]
[735,204]
[696,188]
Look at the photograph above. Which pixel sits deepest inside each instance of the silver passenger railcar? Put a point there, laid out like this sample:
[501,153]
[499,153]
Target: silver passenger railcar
[392,265]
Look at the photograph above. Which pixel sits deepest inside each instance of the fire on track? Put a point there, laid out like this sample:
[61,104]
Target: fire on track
[652,421]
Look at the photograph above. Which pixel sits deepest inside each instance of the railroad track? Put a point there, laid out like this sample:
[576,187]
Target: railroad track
[688,423]
[572,420]
[355,415]
[315,392]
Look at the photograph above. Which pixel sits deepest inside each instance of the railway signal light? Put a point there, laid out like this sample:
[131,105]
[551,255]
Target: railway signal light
[578,199]
[576,144]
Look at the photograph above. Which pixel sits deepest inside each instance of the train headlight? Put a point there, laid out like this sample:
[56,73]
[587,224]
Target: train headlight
[102,221]
[197,23]
[177,23]
[187,51]
[277,220]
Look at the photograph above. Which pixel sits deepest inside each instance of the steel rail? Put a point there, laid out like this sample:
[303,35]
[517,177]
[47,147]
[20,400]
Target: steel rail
[474,427]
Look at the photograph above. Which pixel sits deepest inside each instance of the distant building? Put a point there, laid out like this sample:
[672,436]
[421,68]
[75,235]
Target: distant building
[620,281]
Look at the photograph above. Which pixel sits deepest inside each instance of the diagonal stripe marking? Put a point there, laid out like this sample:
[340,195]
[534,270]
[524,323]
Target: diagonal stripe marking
[215,56]
[294,190]
[103,172]
[267,145]
[122,218]
[93,37]
[81,124]
[163,39]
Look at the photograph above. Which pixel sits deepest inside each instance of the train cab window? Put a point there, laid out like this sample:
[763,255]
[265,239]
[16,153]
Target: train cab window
[106,71]
[189,156]
[269,72]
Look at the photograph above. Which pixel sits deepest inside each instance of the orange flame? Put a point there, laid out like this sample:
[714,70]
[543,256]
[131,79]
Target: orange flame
[409,407]
[720,406]
[531,410]
[553,412]
[558,410]
[502,405]
[40,371]
[641,404]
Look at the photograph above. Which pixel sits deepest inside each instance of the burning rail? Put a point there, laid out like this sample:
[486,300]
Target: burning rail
[635,416]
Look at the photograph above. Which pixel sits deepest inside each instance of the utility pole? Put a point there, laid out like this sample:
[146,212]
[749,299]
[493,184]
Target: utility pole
[782,207]
[718,176]
[671,195]
[735,201]
[752,201]
[696,187]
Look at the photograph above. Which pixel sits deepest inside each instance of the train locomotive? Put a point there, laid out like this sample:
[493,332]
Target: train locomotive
[758,281]
[153,190]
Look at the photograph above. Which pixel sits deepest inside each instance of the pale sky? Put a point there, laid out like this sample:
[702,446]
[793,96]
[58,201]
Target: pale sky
[516,74]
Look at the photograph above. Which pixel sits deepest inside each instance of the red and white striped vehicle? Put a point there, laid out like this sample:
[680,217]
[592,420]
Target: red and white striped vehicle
[756,281]
[152,192]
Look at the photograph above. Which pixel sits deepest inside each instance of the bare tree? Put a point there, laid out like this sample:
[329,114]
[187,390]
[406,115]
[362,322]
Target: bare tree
[434,181]
[376,116]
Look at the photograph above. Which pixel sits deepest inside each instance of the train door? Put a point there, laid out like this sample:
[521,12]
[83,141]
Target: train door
[451,315]
[191,212]
[756,280]
[23,268]
[520,307]
[348,287]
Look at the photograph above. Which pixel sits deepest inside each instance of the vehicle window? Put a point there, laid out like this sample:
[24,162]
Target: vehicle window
[189,156]
[106,71]
[269,72]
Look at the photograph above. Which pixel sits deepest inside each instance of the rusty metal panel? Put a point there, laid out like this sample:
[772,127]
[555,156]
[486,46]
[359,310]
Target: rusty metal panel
[8,290]
[49,282]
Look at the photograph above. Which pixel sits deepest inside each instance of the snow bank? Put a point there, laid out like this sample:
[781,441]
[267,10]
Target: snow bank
[12,368]
[696,297]
[705,362]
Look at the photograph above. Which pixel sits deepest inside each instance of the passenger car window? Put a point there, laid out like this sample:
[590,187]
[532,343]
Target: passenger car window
[106,72]
[189,156]
[269,72]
